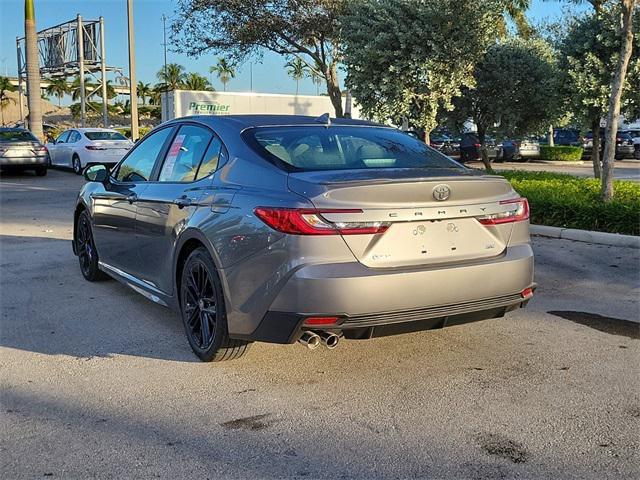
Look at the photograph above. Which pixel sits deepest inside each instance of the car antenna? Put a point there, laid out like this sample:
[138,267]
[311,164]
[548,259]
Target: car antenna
[325,119]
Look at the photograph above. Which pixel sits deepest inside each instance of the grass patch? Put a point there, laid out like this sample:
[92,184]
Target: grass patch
[561,153]
[566,201]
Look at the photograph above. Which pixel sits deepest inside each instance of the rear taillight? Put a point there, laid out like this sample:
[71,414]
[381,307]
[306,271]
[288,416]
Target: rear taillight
[518,211]
[305,221]
[527,293]
[477,145]
[93,147]
[40,150]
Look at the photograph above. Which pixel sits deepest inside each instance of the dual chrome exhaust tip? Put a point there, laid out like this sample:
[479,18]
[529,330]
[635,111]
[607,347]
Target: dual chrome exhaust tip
[313,340]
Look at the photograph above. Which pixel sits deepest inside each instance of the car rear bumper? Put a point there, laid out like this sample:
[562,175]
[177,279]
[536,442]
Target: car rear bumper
[25,162]
[368,301]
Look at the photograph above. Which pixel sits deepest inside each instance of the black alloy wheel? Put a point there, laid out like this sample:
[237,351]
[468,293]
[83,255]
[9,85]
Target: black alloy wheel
[203,310]
[86,249]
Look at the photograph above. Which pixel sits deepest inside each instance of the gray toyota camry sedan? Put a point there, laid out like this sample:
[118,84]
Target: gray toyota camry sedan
[298,229]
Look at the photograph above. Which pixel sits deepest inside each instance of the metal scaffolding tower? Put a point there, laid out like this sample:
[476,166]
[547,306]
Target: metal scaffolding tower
[73,48]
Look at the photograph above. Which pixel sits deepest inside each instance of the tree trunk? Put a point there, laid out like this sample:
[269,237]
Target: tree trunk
[427,136]
[482,137]
[333,89]
[297,85]
[550,136]
[617,86]
[595,149]
[33,70]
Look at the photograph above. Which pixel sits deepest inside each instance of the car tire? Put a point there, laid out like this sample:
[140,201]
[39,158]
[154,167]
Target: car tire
[203,311]
[76,164]
[86,249]
[41,172]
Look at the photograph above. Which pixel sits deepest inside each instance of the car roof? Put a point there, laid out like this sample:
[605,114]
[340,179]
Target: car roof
[247,121]
[13,129]
[87,129]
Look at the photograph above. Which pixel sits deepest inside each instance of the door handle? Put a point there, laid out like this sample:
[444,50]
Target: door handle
[132,198]
[183,201]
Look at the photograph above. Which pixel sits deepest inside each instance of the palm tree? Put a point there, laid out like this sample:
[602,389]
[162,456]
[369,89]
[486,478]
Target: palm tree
[316,78]
[155,95]
[33,70]
[516,11]
[225,72]
[58,88]
[297,69]
[111,92]
[144,91]
[5,99]
[195,81]
[74,90]
[171,78]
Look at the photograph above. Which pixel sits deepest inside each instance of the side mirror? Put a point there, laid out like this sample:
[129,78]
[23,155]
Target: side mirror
[96,173]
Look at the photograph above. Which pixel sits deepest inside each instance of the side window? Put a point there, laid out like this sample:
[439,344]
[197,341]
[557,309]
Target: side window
[184,156]
[63,137]
[213,157]
[74,136]
[137,167]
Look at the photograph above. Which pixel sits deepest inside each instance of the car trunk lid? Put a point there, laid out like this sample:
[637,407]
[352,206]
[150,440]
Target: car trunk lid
[420,229]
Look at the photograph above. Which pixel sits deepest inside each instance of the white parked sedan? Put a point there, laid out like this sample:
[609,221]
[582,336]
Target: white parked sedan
[78,147]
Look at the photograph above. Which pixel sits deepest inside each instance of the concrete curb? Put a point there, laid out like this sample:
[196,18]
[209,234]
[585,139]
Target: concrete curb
[557,162]
[600,238]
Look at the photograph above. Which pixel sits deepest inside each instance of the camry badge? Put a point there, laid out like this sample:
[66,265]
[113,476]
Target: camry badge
[441,192]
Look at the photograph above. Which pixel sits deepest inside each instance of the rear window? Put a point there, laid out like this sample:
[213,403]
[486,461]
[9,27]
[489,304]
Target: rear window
[16,136]
[104,136]
[344,147]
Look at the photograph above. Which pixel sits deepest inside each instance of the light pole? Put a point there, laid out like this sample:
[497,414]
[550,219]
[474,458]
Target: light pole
[133,87]
[165,103]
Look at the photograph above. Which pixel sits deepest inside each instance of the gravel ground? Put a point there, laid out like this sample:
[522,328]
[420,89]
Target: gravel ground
[98,382]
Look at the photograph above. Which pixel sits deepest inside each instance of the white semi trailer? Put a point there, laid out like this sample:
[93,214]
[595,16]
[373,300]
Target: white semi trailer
[181,103]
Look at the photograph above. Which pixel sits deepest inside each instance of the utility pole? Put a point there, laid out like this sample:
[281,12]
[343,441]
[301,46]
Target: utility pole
[20,87]
[165,103]
[103,71]
[83,99]
[33,70]
[133,87]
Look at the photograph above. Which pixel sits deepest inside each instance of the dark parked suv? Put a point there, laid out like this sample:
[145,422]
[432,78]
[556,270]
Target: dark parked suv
[289,228]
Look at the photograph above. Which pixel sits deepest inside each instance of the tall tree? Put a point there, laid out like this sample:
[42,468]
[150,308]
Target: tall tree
[516,85]
[244,29]
[58,87]
[316,78]
[5,99]
[195,81]
[589,50]
[144,91]
[75,89]
[33,70]
[171,78]
[410,58]
[224,70]
[297,70]
[626,34]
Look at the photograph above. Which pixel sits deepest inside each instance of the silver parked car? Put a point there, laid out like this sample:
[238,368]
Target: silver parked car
[20,150]
[289,228]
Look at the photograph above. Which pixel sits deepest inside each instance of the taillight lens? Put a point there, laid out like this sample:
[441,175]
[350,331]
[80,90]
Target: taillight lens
[518,211]
[304,221]
[40,150]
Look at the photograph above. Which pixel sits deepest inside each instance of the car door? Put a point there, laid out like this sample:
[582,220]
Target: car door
[57,148]
[166,206]
[114,206]
[71,147]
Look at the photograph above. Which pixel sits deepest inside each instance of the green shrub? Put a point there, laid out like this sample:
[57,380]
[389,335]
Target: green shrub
[561,153]
[570,202]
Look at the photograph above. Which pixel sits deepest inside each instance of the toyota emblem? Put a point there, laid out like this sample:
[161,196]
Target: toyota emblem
[441,192]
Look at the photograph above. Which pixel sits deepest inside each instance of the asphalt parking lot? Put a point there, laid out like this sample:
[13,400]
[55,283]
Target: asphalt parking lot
[96,381]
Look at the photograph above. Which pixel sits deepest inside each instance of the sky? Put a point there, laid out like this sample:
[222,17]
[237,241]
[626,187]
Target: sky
[268,76]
